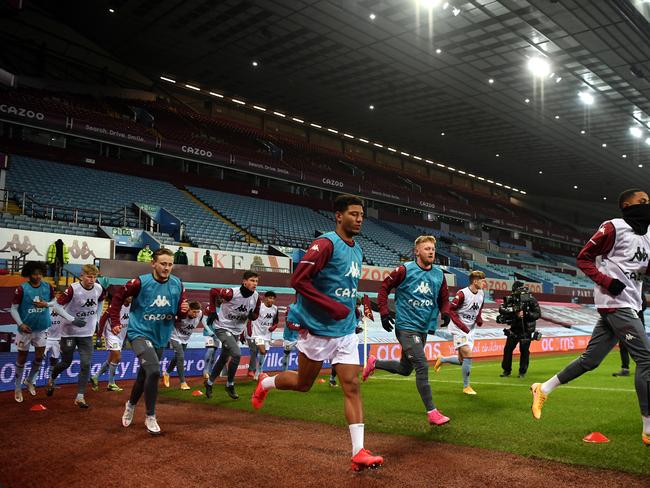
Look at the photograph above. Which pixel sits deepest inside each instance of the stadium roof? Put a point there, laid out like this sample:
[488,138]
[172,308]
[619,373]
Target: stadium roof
[425,71]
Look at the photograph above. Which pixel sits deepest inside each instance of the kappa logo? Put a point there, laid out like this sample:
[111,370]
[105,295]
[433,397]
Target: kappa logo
[160,301]
[314,248]
[90,303]
[474,307]
[640,255]
[423,287]
[241,308]
[629,337]
[125,316]
[355,270]
[269,315]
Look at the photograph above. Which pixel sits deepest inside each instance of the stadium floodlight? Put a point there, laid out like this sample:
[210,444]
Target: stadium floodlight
[371,107]
[333,131]
[316,125]
[364,140]
[539,67]
[164,78]
[636,132]
[350,136]
[438,51]
[215,94]
[455,11]
[279,114]
[192,87]
[586,98]
[240,102]
[624,156]
[372,16]
[391,149]
[298,120]
[257,107]
[604,144]
[647,141]
[440,165]
[377,144]
[255,64]
[404,153]
[417,157]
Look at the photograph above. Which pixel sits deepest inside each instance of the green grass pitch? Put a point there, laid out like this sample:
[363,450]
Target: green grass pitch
[498,418]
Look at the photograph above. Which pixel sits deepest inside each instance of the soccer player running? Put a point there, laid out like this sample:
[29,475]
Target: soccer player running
[326,282]
[30,311]
[53,344]
[82,301]
[210,340]
[420,295]
[158,298]
[179,339]
[262,329]
[114,343]
[465,312]
[238,306]
[616,259]
[289,339]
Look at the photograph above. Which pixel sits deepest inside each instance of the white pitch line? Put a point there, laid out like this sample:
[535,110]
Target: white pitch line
[564,387]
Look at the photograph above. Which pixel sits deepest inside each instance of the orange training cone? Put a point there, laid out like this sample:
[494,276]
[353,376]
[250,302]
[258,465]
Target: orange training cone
[39,407]
[197,393]
[321,380]
[596,438]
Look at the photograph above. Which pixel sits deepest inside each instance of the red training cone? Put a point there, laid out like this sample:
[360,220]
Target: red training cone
[321,380]
[596,438]
[39,407]
[197,393]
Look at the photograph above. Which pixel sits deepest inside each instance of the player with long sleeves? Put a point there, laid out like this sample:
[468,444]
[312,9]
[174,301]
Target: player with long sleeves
[236,307]
[158,299]
[289,339]
[420,295]
[114,344]
[179,340]
[326,282]
[616,258]
[261,330]
[210,340]
[82,301]
[30,311]
[465,312]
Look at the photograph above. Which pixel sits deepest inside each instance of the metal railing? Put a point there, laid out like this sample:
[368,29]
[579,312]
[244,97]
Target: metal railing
[31,207]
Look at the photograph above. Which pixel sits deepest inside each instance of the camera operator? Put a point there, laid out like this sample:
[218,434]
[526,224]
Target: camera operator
[520,311]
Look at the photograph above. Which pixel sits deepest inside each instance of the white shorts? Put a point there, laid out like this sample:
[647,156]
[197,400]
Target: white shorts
[211,341]
[338,350]
[53,346]
[288,345]
[36,339]
[114,342]
[461,339]
[262,341]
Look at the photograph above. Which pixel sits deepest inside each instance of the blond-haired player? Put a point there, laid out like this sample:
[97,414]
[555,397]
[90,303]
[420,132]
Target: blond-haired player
[420,295]
[465,313]
[82,300]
